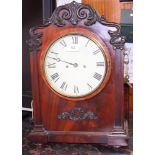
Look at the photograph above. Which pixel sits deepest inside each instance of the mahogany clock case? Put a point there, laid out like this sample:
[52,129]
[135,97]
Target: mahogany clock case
[96,118]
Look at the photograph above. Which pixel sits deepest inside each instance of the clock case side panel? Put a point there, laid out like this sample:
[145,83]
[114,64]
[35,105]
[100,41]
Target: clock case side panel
[117,56]
[38,133]
[115,41]
[121,121]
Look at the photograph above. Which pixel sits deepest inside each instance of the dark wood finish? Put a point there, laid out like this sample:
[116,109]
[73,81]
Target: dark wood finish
[126,101]
[48,8]
[128,91]
[131,98]
[109,125]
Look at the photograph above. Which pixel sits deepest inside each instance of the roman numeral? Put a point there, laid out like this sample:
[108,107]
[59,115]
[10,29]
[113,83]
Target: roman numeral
[75,39]
[87,43]
[63,43]
[76,90]
[51,65]
[55,77]
[97,51]
[89,86]
[54,52]
[97,76]
[99,63]
[64,86]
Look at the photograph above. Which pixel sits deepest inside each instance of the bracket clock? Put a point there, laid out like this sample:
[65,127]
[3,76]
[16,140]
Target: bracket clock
[77,78]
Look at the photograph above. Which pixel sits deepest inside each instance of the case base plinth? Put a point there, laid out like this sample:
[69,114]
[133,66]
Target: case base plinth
[40,135]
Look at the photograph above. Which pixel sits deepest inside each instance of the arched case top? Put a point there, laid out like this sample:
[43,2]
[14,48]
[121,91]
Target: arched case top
[77,14]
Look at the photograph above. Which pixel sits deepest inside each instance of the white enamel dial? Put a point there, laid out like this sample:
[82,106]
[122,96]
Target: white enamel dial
[75,65]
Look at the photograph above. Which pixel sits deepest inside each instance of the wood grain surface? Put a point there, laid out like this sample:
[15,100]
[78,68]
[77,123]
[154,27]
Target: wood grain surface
[111,9]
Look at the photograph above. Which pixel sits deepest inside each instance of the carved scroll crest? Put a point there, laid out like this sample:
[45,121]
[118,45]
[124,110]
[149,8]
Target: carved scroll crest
[77,114]
[74,13]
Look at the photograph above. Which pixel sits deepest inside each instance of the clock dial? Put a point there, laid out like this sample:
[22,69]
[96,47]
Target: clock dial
[75,65]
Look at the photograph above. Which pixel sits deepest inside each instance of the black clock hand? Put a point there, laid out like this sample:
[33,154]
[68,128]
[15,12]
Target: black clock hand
[58,60]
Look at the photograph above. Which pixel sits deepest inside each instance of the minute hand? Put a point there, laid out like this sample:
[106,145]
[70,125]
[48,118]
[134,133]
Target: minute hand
[58,60]
[67,62]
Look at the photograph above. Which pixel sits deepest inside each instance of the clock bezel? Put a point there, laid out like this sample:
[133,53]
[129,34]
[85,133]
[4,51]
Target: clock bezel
[97,40]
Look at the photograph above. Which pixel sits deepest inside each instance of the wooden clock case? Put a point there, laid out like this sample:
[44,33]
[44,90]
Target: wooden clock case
[99,118]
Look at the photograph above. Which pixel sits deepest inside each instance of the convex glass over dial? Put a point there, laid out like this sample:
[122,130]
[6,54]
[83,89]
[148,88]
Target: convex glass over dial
[75,65]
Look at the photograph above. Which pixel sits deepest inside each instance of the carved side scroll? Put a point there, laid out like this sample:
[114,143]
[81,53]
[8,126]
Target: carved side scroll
[75,13]
[35,41]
